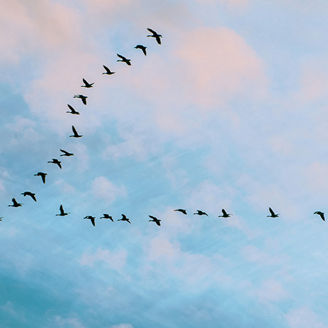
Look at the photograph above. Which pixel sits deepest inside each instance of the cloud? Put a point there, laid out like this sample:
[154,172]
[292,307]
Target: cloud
[114,260]
[271,291]
[106,190]
[71,322]
[122,325]
[303,317]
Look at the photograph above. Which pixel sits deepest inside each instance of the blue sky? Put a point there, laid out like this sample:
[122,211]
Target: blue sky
[229,112]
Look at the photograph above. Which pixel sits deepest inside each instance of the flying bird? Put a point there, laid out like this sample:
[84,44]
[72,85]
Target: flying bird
[155,35]
[15,204]
[124,218]
[83,98]
[28,193]
[108,71]
[181,210]
[1,217]
[87,84]
[56,161]
[75,134]
[141,47]
[154,219]
[224,214]
[273,214]
[321,214]
[106,216]
[65,153]
[73,111]
[124,60]
[200,213]
[62,212]
[42,175]
[91,218]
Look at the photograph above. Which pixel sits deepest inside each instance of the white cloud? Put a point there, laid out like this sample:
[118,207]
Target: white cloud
[106,190]
[122,325]
[72,322]
[303,317]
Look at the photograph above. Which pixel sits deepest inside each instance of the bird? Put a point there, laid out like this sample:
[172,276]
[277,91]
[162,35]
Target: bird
[1,217]
[181,210]
[154,219]
[42,175]
[224,214]
[124,60]
[28,193]
[92,218]
[141,47]
[108,71]
[200,213]
[75,134]
[73,111]
[87,84]
[62,212]
[83,98]
[273,214]
[56,161]
[124,218]
[321,214]
[155,35]
[15,204]
[106,216]
[65,153]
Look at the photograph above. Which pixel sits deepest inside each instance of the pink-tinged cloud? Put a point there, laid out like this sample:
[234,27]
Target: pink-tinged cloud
[303,317]
[106,190]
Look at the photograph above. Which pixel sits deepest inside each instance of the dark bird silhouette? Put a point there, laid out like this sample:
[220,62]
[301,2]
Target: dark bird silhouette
[321,214]
[155,35]
[42,175]
[91,218]
[272,214]
[83,98]
[73,111]
[62,212]
[15,204]
[87,84]
[181,210]
[65,153]
[1,217]
[154,219]
[224,214]
[108,71]
[56,161]
[141,47]
[124,218]
[75,134]
[106,216]
[124,60]
[200,213]
[28,193]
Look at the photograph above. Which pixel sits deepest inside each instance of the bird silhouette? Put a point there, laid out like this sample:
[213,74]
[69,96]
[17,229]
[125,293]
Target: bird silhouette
[272,213]
[108,71]
[124,218]
[155,35]
[181,210]
[141,47]
[321,214]
[1,217]
[83,98]
[199,212]
[65,153]
[15,204]
[62,212]
[42,175]
[154,219]
[56,161]
[28,193]
[87,84]
[75,134]
[91,218]
[73,111]
[106,216]
[224,214]
[124,60]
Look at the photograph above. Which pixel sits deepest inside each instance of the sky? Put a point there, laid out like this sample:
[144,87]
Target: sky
[230,111]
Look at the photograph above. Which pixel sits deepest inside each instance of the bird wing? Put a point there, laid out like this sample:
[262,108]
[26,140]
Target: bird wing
[93,221]
[84,100]
[74,130]
[70,107]
[43,177]
[153,217]
[122,57]
[158,39]
[224,212]
[14,202]
[271,211]
[85,82]
[59,164]
[33,197]
[158,222]
[151,31]
[106,69]
[64,151]
[61,209]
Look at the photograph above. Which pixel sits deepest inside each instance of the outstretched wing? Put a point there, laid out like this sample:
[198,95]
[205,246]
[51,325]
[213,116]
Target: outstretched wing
[224,212]
[106,69]
[93,221]
[85,81]
[122,57]
[74,130]
[84,100]
[151,31]
[158,39]
[61,209]
[271,211]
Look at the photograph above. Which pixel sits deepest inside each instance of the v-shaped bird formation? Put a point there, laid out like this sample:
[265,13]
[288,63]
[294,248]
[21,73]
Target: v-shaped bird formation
[76,134]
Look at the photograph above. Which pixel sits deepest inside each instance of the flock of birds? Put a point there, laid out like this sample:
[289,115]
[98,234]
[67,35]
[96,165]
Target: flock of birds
[75,134]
